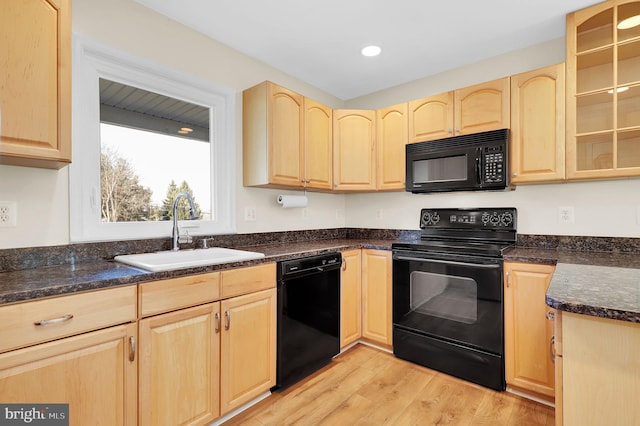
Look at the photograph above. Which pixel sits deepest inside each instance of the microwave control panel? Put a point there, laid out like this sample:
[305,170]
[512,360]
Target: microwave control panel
[493,164]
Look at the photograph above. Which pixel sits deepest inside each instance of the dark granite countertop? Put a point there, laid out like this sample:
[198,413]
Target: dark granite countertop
[54,280]
[594,275]
[602,284]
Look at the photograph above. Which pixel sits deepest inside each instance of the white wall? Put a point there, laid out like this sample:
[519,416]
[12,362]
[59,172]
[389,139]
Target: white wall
[602,208]
[42,195]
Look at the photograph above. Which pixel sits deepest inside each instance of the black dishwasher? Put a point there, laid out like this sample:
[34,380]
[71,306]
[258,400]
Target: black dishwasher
[308,316]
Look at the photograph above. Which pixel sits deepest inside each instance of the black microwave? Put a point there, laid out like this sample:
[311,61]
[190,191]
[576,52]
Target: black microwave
[461,163]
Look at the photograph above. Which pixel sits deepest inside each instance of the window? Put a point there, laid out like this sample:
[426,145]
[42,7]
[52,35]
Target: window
[143,133]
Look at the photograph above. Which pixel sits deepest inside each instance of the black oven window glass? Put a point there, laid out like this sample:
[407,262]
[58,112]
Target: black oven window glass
[443,169]
[444,296]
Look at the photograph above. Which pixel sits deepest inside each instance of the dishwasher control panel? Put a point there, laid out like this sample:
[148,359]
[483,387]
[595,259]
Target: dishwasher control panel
[308,263]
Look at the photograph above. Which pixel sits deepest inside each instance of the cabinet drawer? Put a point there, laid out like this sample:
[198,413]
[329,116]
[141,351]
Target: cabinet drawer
[247,280]
[64,316]
[176,293]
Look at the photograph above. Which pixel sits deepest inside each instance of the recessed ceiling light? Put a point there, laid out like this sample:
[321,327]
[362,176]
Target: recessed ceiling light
[371,50]
[630,22]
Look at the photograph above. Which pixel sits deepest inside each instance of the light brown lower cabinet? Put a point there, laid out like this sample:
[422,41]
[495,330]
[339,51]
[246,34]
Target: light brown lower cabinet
[529,363]
[248,348]
[180,367]
[599,370]
[350,297]
[95,373]
[198,363]
[376,296]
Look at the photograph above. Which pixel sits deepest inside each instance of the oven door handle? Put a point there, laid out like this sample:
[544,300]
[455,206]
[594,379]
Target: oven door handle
[448,262]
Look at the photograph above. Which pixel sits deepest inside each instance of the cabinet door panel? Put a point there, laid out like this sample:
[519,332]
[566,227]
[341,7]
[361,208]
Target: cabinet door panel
[527,330]
[482,107]
[390,149]
[179,367]
[318,145]
[376,296]
[537,131]
[602,120]
[35,88]
[285,136]
[248,348]
[354,144]
[350,297]
[431,118]
[91,372]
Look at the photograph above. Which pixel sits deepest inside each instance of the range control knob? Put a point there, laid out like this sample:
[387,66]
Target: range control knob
[485,218]
[507,219]
[430,218]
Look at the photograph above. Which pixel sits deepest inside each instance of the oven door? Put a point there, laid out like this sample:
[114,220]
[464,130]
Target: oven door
[453,298]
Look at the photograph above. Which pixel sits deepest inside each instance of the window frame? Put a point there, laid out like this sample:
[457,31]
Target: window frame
[92,60]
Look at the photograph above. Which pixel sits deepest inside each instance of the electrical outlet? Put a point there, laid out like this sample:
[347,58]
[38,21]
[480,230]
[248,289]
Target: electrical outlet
[379,214]
[305,212]
[339,214]
[565,214]
[8,214]
[250,214]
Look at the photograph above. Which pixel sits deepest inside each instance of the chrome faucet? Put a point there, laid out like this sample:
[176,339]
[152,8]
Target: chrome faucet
[193,214]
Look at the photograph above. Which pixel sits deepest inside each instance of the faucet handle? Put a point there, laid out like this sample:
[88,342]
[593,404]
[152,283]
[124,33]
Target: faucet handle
[204,243]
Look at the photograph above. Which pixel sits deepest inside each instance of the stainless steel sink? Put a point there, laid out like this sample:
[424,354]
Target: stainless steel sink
[172,260]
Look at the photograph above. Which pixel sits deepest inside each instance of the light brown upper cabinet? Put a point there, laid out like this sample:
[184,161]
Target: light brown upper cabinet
[286,139]
[392,128]
[472,109]
[537,125]
[603,91]
[354,159]
[272,125]
[318,145]
[35,83]
[482,107]
[431,118]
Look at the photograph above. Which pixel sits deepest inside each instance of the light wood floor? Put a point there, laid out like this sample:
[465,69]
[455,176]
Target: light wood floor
[366,386]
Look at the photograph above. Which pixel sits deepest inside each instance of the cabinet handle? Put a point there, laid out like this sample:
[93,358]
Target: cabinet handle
[54,320]
[227,317]
[132,349]
[508,279]
[344,264]
[449,131]
[552,349]
[217,316]
[551,315]
[514,174]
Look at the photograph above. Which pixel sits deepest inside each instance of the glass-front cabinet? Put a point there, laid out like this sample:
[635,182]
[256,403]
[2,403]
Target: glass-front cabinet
[603,90]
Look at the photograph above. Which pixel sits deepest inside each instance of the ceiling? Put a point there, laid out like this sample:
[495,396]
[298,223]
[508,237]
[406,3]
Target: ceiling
[128,106]
[319,42]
